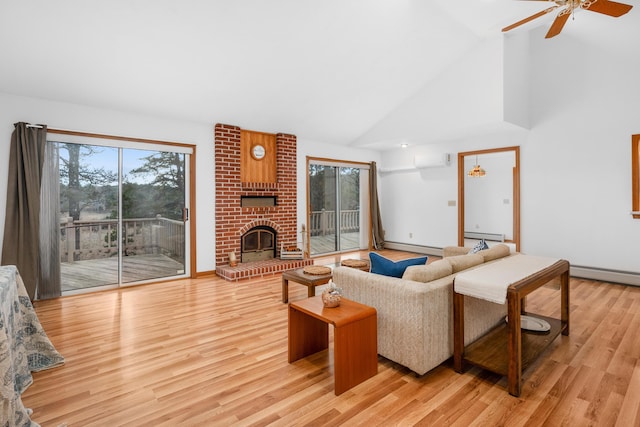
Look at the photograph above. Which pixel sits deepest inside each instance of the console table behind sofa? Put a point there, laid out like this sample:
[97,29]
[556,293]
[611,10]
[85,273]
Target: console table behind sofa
[504,350]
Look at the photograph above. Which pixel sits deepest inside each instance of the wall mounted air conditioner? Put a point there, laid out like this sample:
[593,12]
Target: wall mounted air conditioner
[423,162]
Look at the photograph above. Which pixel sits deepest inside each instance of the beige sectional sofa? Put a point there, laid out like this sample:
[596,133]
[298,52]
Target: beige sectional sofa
[415,312]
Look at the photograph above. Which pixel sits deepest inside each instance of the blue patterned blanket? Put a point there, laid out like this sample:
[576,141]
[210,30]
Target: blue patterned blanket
[24,348]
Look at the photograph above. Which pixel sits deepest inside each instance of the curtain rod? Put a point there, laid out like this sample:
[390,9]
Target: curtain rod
[29,125]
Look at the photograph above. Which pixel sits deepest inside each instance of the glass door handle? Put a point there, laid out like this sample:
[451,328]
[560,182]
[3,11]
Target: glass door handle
[185,214]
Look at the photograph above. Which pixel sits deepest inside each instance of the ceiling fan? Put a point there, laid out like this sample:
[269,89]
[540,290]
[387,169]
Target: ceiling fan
[606,7]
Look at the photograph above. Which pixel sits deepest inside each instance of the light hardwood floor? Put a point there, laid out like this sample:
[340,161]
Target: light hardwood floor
[207,352]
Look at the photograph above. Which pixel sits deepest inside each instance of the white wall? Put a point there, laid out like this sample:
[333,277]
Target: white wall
[575,162]
[576,183]
[467,96]
[58,115]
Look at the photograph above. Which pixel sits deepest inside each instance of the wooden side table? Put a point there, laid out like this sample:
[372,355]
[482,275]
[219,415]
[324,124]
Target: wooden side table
[309,280]
[506,349]
[355,338]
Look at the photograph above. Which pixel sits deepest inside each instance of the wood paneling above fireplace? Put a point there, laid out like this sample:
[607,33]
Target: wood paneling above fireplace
[255,169]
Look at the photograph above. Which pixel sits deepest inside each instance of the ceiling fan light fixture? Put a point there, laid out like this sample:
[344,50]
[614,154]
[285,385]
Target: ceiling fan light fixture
[604,7]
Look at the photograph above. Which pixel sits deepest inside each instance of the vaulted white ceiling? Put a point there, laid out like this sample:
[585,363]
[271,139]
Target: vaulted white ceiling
[327,70]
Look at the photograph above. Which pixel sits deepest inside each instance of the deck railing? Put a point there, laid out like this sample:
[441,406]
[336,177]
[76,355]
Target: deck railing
[92,239]
[324,222]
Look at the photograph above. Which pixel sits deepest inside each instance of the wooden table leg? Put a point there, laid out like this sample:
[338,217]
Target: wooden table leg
[355,353]
[514,376]
[307,335]
[458,331]
[311,290]
[564,304]
[285,290]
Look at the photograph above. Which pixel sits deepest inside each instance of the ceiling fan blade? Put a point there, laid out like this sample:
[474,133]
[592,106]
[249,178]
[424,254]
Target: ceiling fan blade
[531,18]
[608,7]
[558,24]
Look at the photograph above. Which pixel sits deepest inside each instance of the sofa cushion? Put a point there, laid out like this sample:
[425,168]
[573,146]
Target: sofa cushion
[462,262]
[387,267]
[448,251]
[429,272]
[495,252]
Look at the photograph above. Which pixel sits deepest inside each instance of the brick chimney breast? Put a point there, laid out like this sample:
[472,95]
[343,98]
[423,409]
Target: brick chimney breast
[232,219]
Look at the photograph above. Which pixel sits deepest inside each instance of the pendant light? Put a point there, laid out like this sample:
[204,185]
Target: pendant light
[476,171]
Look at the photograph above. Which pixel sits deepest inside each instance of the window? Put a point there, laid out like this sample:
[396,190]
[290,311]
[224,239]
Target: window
[635,174]
[121,210]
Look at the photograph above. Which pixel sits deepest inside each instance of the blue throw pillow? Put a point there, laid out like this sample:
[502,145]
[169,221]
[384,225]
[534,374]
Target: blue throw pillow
[481,245]
[387,267]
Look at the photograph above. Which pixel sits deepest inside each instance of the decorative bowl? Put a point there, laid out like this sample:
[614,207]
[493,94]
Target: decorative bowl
[331,296]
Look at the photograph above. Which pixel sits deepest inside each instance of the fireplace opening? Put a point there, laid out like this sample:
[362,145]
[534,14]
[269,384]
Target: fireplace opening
[258,244]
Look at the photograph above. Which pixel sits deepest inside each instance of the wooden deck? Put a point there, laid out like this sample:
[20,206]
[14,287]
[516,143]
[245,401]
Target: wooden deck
[104,271]
[326,244]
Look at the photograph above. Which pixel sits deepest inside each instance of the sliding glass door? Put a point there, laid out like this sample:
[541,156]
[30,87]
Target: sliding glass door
[338,207]
[153,215]
[88,215]
[123,212]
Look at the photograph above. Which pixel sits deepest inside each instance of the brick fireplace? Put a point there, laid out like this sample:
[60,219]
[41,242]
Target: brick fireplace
[234,219]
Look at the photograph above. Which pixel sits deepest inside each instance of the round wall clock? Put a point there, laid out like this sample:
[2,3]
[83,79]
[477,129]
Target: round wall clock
[258,152]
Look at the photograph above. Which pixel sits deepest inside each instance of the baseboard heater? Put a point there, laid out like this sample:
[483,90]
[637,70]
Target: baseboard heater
[606,275]
[419,249]
[493,237]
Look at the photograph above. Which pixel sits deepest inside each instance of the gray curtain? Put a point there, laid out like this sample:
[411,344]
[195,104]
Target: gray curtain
[21,243]
[376,222]
[49,280]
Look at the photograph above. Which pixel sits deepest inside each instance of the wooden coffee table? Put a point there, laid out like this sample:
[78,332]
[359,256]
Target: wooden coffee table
[355,338]
[309,280]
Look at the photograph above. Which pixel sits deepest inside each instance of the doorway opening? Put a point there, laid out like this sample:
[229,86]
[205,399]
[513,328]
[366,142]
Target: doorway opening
[481,206]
